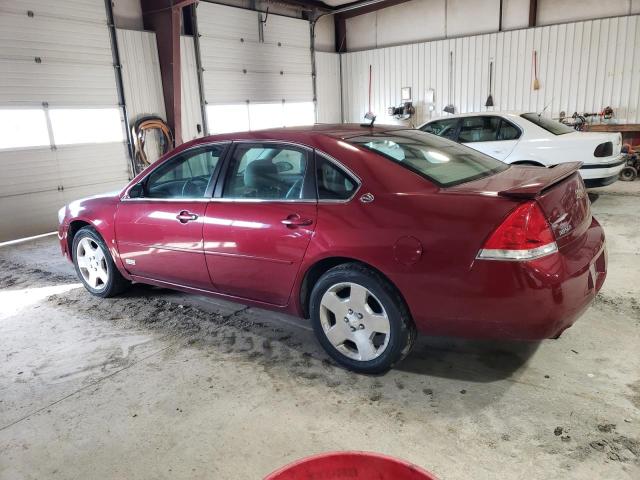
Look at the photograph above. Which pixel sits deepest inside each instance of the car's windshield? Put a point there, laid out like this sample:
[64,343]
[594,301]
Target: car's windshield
[442,161]
[548,124]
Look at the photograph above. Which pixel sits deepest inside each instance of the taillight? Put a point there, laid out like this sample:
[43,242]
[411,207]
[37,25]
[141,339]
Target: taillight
[603,150]
[524,235]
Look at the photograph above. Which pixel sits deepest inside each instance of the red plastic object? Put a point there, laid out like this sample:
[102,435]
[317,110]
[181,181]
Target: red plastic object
[351,466]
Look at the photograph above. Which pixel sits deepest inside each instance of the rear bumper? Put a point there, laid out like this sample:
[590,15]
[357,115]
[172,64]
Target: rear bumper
[601,182]
[602,171]
[522,300]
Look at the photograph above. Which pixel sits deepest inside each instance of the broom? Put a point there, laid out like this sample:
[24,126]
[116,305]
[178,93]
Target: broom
[489,102]
[450,108]
[369,115]
[536,83]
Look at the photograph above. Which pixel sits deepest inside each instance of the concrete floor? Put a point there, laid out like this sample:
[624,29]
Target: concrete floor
[158,384]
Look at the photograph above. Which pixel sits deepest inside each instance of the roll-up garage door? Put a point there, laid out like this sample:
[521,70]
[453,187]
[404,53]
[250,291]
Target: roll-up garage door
[61,128]
[257,68]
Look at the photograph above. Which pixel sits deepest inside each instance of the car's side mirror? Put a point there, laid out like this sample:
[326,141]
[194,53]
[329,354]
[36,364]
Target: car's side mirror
[137,191]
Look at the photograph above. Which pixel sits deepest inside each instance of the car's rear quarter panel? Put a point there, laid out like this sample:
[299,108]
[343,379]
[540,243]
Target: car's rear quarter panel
[451,228]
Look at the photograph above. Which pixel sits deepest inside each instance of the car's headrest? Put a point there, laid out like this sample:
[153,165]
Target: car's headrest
[260,174]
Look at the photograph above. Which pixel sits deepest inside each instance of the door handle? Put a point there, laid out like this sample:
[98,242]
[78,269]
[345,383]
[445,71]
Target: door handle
[184,216]
[296,221]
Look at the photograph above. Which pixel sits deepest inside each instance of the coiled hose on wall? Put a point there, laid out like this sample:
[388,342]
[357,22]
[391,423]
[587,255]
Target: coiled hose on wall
[139,133]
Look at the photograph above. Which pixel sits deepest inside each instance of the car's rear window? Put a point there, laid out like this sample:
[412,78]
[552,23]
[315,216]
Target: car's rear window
[548,124]
[444,162]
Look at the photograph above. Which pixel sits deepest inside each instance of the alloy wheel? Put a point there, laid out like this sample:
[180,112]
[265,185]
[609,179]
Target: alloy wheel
[92,263]
[354,321]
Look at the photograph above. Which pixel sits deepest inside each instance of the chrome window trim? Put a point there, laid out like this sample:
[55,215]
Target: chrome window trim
[348,172]
[174,200]
[279,142]
[223,200]
[125,196]
[261,200]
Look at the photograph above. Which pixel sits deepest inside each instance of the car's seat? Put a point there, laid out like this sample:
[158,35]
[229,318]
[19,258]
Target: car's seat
[261,177]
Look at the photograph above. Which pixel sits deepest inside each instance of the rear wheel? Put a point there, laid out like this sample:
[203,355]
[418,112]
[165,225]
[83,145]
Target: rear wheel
[94,265]
[628,174]
[360,320]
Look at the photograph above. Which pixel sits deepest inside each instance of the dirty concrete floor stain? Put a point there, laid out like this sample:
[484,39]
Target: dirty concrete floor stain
[159,384]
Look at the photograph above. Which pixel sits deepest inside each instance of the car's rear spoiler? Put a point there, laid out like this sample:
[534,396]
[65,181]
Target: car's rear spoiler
[546,179]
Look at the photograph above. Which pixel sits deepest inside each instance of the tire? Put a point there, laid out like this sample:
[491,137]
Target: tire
[94,266]
[628,174]
[352,330]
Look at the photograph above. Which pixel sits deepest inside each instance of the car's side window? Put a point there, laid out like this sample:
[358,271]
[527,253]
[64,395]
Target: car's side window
[186,176]
[267,172]
[332,182]
[443,128]
[508,131]
[479,129]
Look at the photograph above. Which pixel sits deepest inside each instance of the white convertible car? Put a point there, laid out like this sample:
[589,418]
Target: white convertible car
[531,139]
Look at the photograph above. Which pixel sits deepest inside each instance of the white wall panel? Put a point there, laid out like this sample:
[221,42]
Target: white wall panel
[328,107]
[143,82]
[191,111]
[238,67]
[553,11]
[583,66]
[97,165]
[141,74]
[27,215]
[58,53]
[54,57]
[325,32]
[467,18]
[24,38]
[86,11]
[25,83]
[28,171]
[424,20]
[29,186]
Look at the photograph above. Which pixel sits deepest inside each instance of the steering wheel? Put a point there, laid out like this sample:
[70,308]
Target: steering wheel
[295,191]
[197,185]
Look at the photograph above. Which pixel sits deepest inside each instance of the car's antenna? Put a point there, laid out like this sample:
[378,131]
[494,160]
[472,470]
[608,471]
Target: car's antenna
[545,107]
[368,116]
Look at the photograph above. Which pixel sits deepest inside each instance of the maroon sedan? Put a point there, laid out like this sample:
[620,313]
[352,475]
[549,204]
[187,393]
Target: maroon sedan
[373,233]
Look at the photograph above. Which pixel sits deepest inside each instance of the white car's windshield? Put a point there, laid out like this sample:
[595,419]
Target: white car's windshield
[548,124]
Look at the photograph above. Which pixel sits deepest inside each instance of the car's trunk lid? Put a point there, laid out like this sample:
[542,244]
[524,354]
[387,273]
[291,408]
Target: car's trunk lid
[559,191]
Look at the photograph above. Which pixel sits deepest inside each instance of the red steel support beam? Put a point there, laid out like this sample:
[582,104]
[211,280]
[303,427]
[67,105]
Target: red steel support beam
[533,13]
[340,23]
[164,18]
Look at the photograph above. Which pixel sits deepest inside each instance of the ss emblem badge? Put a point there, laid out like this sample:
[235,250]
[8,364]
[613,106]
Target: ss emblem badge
[367,198]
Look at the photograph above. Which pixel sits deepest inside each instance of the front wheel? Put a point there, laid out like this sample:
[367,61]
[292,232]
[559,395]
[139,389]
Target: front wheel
[94,265]
[360,320]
